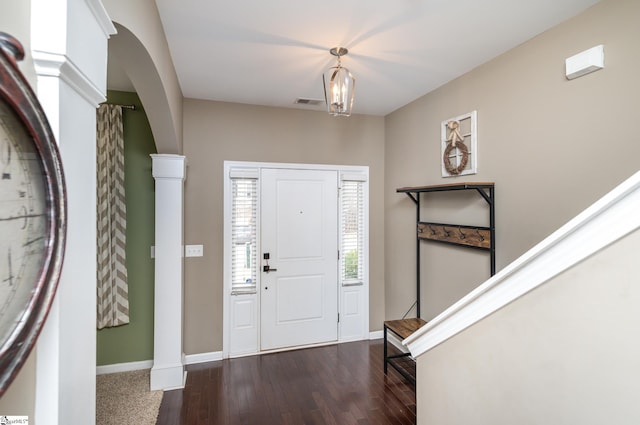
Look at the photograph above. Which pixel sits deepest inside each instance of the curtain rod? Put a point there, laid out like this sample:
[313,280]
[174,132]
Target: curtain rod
[132,107]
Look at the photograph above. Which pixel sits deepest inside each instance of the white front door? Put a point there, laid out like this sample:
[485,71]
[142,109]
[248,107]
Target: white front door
[299,233]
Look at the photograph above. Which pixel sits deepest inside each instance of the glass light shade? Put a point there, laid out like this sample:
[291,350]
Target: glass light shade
[339,87]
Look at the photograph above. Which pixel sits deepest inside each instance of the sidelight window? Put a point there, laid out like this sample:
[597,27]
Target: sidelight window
[243,235]
[352,232]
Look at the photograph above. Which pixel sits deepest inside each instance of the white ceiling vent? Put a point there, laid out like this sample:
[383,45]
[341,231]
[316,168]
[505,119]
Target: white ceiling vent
[310,102]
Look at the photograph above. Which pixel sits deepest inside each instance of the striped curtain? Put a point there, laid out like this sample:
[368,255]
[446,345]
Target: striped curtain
[113,298]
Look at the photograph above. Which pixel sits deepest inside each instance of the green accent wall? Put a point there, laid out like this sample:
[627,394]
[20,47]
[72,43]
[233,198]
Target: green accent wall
[134,341]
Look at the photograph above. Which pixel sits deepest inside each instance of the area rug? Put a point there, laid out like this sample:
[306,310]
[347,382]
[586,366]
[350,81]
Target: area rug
[124,399]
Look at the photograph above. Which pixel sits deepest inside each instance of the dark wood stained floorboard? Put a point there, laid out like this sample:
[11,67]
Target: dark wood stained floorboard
[341,384]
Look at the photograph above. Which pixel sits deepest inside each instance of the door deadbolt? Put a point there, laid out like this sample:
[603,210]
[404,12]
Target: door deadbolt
[266,267]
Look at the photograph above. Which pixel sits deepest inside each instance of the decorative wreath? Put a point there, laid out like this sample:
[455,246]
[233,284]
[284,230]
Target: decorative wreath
[463,161]
[455,141]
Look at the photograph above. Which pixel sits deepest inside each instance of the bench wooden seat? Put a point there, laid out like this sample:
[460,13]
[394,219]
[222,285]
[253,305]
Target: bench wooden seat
[402,328]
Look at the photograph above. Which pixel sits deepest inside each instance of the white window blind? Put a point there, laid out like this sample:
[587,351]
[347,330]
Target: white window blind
[243,235]
[352,232]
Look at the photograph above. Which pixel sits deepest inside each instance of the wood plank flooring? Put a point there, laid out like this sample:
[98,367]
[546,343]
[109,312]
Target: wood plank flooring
[341,384]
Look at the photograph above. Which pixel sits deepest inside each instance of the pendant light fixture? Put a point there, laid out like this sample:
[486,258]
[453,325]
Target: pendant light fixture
[339,85]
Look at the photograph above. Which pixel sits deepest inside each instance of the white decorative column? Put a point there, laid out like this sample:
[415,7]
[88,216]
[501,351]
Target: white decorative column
[168,366]
[69,51]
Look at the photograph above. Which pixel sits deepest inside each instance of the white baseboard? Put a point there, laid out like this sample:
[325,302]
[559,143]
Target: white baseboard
[213,356]
[376,335]
[124,367]
[168,376]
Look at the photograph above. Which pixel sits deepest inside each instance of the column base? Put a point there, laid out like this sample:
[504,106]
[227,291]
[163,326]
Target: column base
[168,377]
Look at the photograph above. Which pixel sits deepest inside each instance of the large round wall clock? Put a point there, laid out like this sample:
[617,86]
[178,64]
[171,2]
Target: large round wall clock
[32,214]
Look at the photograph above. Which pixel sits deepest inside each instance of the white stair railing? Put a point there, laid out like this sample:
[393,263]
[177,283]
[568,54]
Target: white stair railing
[612,217]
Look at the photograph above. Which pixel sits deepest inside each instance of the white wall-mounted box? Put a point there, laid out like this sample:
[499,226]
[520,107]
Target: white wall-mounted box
[585,62]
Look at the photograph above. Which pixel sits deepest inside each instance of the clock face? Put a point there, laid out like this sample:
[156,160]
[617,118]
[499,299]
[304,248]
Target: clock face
[23,219]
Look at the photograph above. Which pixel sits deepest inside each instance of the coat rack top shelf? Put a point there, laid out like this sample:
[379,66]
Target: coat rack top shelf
[479,186]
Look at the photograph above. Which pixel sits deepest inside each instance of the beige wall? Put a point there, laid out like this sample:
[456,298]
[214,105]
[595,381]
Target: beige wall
[565,354]
[552,146]
[215,132]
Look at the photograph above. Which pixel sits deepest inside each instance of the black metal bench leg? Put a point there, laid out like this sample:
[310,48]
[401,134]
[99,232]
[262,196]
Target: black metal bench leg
[386,359]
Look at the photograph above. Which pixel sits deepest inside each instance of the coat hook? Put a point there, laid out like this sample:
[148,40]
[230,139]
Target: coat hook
[446,232]
[462,235]
[480,235]
[433,232]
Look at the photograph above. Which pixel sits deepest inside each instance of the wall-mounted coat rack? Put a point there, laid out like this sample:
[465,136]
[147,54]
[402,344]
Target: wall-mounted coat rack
[477,237]
[466,236]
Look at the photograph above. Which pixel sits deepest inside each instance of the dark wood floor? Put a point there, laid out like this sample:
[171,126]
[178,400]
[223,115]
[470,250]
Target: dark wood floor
[341,384]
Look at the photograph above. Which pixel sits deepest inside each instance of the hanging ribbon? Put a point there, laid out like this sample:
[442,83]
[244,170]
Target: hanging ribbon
[452,143]
[454,134]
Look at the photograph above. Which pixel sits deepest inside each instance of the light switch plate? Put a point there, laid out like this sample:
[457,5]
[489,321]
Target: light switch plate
[193,251]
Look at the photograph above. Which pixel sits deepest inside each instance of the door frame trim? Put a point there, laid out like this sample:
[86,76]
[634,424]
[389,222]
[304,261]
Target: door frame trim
[227,319]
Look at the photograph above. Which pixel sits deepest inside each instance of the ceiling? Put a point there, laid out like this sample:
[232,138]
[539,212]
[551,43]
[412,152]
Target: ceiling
[273,52]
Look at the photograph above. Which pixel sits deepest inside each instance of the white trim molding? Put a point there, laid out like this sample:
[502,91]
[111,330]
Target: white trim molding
[102,17]
[213,356]
[123,367]
[609,219]
[376,334]
[61,66]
